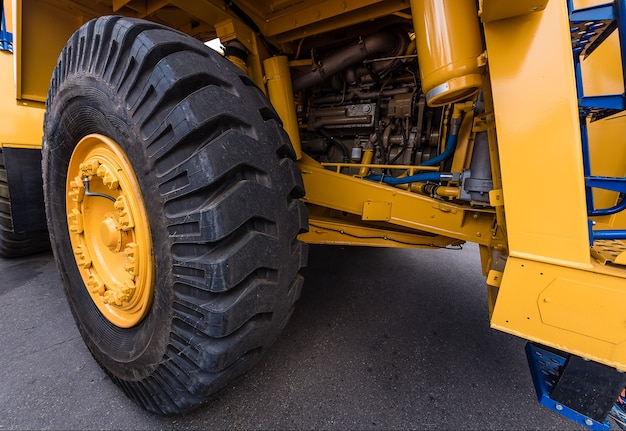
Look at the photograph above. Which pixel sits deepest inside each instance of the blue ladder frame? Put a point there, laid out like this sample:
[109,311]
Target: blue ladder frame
[545,369]
[590,27]
[6,38]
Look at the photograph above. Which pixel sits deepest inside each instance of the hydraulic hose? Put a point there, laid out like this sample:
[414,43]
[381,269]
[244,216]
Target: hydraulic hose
[453,135]
[450,147]
[428,176]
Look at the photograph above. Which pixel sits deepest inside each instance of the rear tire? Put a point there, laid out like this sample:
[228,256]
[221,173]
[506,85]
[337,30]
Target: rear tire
[219,188]
[16,244]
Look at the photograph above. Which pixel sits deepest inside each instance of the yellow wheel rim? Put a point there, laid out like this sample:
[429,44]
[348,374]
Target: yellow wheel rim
[109,230]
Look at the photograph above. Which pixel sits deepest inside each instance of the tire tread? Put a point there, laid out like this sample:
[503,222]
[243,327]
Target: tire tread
[225,177]
[16,244]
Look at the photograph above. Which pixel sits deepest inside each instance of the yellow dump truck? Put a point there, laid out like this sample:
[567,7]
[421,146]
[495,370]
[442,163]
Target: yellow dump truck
[181,185]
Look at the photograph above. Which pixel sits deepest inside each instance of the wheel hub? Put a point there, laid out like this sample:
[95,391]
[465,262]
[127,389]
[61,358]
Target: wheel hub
[109,230]
[111,234]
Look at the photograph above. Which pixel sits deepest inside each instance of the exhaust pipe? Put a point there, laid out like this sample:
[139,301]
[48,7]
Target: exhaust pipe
[385,43]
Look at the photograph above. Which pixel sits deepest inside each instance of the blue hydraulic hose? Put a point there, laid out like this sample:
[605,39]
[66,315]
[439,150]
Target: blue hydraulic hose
[450,146]
[428,176]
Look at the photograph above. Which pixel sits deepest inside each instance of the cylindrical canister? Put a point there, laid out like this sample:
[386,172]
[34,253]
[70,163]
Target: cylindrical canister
[280,92]
[449,47]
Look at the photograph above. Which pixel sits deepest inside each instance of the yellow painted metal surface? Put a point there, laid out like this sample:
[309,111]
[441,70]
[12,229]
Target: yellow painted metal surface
[552,291]
[21,123]
[376,210]
[41,32]
[304,19]
[280,94]
[576,310]
[448,48]
[233,30]
[109,230]
[493,10]
[142,7]
[536,115]
[366,167]
[281,22]
[368,155]
[342,192]
[609,251]
[544,284]
[329,228]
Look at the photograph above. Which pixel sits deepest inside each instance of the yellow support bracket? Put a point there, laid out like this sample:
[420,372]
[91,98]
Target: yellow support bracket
[494,278]
[494,10]
[398,207]
[496,198]
[141,7]
[332,228]
[230,30]
[376,211]
[577,310]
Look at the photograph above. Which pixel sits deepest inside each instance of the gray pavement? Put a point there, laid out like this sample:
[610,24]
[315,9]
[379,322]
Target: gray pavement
[381,339]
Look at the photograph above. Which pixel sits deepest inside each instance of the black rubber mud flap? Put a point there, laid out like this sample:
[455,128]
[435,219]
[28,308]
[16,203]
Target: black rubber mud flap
[581,390]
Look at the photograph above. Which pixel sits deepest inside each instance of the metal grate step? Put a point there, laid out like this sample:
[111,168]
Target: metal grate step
[590,27]
[587,36]
[609,251]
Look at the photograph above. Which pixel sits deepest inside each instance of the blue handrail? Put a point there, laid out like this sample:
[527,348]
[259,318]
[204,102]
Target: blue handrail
[590,27]
[6,38]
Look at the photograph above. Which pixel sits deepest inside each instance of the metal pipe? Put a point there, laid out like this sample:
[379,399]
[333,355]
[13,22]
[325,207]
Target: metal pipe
[355,93]
[384,43]
[428,176]
[339,121]
[453,134]
[278,81]
[368,155]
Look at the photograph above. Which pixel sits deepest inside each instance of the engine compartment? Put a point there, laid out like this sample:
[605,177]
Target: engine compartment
[362,110]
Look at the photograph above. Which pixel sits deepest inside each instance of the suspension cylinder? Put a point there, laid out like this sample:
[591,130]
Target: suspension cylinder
[279,89]
[449,47]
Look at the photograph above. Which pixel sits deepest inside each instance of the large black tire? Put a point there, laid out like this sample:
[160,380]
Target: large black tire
[16,244]
[220,186]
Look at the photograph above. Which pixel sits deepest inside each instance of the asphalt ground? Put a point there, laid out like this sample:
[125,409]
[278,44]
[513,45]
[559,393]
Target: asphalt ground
[381,339]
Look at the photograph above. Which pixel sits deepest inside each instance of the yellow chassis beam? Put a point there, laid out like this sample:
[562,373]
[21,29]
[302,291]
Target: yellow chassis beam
[379,202]
[328,227]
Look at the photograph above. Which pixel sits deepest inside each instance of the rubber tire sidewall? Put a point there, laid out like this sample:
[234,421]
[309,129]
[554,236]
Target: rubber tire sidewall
[74,114]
